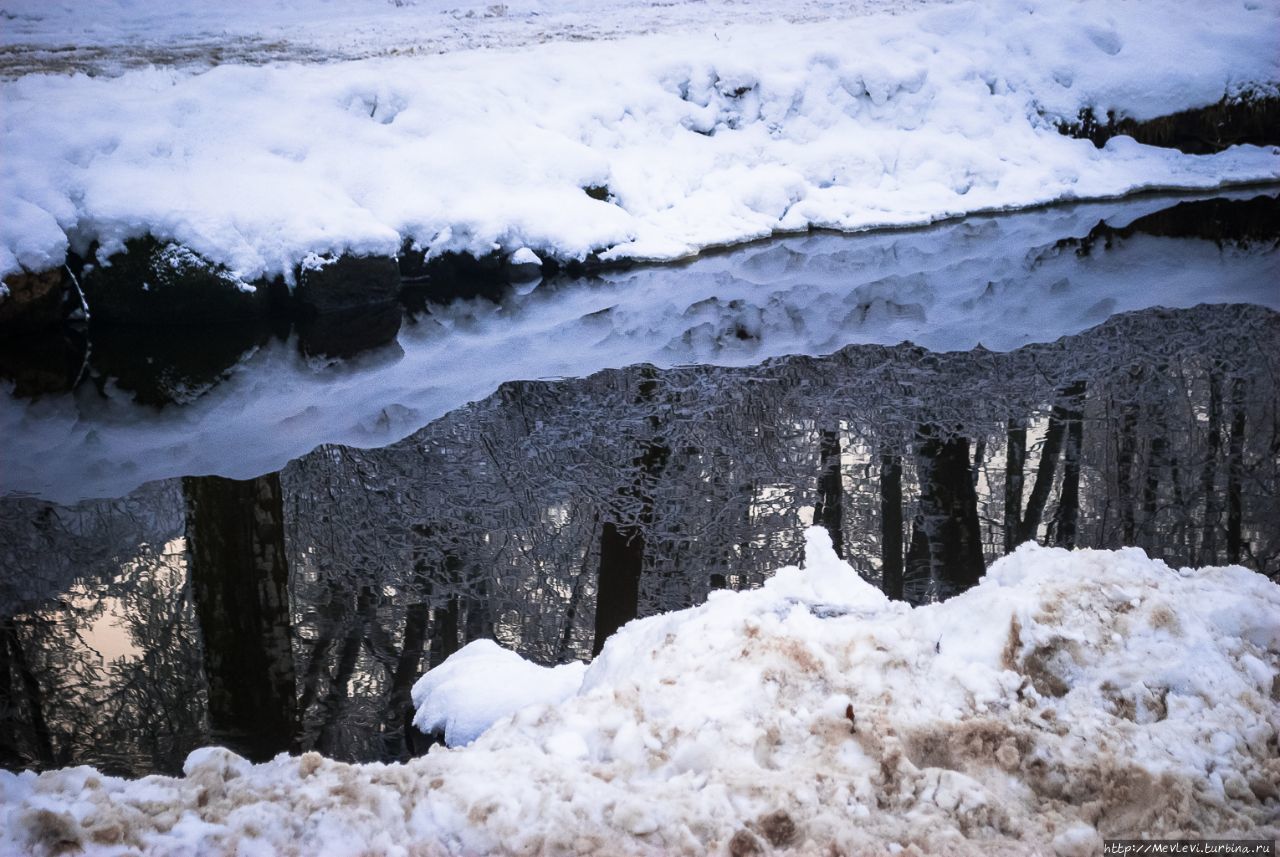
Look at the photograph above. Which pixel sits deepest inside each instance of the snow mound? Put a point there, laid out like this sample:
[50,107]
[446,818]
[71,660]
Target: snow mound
[1068,697]
[652,147]
[480,684]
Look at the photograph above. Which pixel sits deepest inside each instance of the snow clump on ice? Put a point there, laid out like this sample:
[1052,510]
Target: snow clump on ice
[1072,695]
[483,682]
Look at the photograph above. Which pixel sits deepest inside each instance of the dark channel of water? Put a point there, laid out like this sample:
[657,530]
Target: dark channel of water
[294,609]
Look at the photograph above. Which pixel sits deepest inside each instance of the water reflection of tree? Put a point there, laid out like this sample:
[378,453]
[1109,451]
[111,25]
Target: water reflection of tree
[508,516]
[702,476]
[63,700]
[239,581]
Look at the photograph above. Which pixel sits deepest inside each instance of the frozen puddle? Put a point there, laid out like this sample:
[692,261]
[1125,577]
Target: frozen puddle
[1070,696]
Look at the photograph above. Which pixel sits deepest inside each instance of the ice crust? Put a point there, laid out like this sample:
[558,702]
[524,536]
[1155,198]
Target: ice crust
[702,138]
[1071,695]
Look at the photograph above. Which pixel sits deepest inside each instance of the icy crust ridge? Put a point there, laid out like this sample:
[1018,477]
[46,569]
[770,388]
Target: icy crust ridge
[652,147]
[1069,696]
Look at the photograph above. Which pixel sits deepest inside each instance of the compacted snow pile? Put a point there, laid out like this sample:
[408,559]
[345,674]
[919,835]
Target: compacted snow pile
[1070,696]
[649,147]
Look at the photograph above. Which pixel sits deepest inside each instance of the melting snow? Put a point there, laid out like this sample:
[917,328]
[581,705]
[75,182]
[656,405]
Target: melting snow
[1070,696]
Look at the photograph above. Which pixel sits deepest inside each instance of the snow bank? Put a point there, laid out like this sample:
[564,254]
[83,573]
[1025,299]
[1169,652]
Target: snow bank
[700,139]
[1070,696]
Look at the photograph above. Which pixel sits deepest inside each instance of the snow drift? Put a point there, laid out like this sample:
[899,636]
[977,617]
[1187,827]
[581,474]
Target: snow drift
[685,141]
[1070,696]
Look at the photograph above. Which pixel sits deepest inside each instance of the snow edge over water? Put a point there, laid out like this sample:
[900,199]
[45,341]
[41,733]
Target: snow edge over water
[693,140]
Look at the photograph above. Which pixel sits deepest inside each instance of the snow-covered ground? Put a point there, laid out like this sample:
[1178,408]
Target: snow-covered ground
[109,36]
[1001,281]
[702,136]
[1070,696]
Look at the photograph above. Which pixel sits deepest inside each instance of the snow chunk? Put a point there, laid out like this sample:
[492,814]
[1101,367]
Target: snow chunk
[525,256]
[215,763]
[525,267]
[316,262]
[825,579]
[1079,840]
[482,683]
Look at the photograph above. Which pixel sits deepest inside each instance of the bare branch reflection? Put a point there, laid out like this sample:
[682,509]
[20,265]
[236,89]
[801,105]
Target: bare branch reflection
[551,512]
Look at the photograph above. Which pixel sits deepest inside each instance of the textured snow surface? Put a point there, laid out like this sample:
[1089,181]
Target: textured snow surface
[108,36]
[1070,696]
[701,138]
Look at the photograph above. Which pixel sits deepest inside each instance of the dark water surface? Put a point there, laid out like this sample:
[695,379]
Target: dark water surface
[293,610]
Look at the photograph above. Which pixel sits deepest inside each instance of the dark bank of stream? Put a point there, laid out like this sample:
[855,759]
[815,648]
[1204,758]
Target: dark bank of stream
[261,535]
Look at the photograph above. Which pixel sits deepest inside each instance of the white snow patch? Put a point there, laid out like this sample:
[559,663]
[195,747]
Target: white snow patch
[482,683]
[316,262]
[811,714]
[702,138]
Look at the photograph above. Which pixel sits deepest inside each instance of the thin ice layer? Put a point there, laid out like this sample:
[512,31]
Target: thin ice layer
[699,139]
[1070,696]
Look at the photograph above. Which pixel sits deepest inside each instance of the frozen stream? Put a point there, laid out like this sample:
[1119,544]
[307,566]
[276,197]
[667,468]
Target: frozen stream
[251,402]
